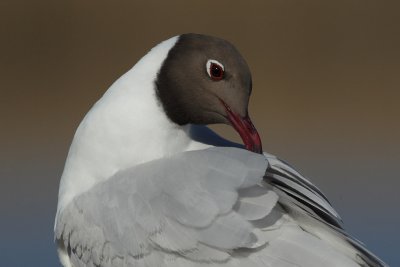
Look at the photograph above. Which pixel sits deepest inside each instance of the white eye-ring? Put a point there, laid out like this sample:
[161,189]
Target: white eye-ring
[215,69]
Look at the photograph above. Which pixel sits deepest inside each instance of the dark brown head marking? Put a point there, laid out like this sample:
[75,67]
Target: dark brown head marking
[201,78]
[187,92]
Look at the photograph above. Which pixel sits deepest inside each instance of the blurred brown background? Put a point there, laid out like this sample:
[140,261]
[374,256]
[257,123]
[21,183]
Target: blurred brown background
[326,98]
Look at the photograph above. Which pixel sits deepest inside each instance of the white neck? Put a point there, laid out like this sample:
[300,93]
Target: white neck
[127,126]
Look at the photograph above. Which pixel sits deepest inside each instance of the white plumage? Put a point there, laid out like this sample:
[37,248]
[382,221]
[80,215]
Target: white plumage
[138,190]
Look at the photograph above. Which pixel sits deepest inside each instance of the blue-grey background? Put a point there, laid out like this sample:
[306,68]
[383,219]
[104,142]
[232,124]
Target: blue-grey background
[326,98]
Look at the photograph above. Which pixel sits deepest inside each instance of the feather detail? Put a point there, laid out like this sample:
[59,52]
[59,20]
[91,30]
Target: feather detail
[212,207]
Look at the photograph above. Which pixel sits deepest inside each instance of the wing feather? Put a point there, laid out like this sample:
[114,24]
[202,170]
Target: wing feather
[220,207]
[181,205]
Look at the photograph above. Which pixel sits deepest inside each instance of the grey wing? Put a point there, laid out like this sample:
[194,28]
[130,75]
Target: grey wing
[212,207]
[183,210]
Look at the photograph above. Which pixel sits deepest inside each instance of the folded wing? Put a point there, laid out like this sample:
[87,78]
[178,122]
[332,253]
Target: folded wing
[213,207]
[185,205]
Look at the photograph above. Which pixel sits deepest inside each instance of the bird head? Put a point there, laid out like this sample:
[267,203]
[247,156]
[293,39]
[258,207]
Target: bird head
[204,80]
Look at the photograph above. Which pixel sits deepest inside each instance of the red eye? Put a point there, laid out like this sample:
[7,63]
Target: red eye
[215,70]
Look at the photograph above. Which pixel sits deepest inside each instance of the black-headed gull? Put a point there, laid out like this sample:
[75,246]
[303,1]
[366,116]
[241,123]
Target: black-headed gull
[147,184]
